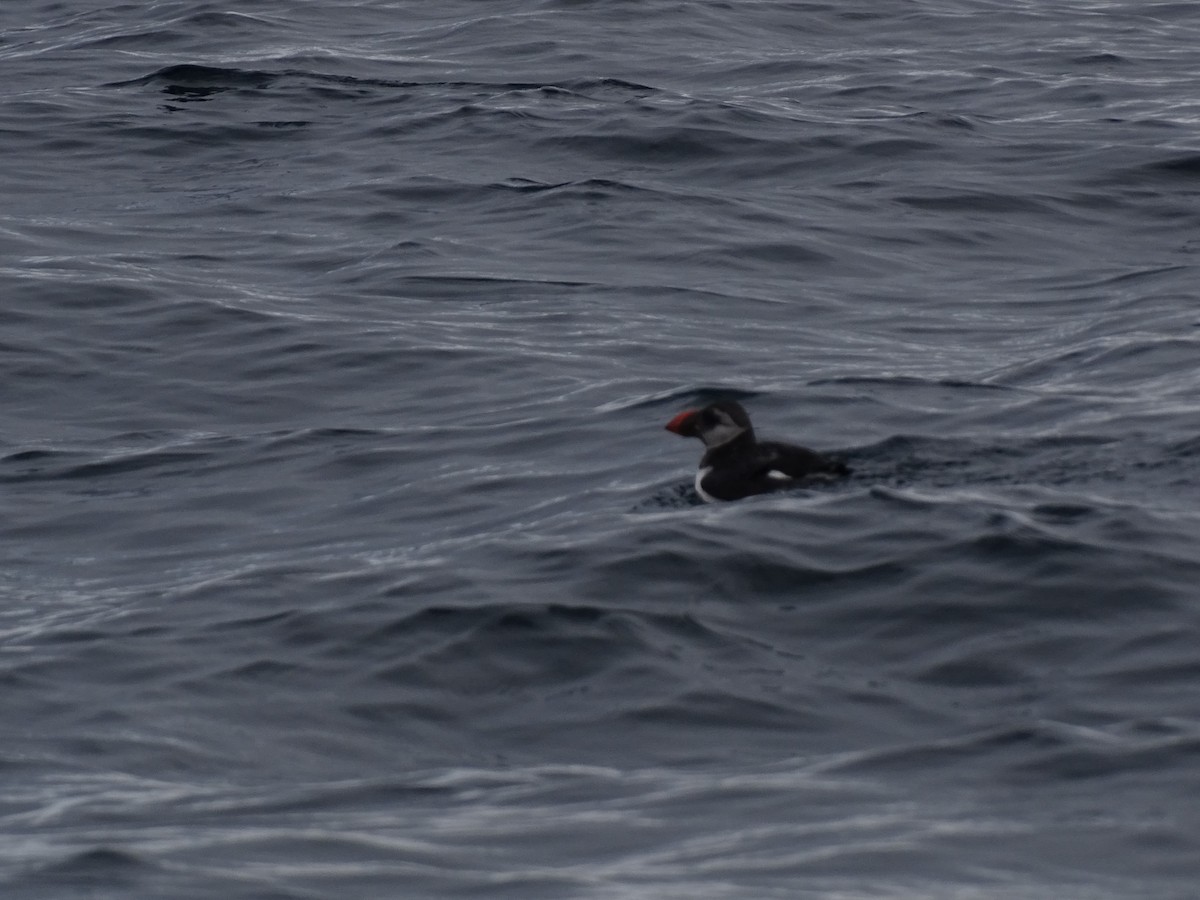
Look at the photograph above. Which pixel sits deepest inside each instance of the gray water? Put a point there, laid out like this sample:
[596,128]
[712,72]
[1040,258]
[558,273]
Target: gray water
[344,551]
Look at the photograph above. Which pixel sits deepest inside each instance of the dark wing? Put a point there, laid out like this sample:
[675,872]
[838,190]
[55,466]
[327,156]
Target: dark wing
[771,468]
[800,462]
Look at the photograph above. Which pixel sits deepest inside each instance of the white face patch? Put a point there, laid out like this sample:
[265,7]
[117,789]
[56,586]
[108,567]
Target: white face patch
[721,433]
[707,498]
[776,475]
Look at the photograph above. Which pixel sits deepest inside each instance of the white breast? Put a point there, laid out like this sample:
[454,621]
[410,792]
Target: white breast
[707,498]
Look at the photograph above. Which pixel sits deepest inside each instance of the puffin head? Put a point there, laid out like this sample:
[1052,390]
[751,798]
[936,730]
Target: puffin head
[715,424]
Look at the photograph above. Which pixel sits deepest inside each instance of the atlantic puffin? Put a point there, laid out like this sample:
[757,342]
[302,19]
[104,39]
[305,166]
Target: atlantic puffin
[736,465]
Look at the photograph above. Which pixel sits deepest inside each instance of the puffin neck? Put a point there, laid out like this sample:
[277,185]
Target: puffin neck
[740,444]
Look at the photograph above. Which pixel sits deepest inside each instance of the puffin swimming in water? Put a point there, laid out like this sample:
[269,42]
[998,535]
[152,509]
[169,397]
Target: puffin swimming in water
[736,464]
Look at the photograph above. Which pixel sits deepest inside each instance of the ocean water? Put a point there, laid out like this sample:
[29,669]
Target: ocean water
[344,551]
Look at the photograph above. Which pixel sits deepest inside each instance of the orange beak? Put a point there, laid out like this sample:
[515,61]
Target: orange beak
[683,424]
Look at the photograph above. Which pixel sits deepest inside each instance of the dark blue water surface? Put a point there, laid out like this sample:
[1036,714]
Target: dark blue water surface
[344,551]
